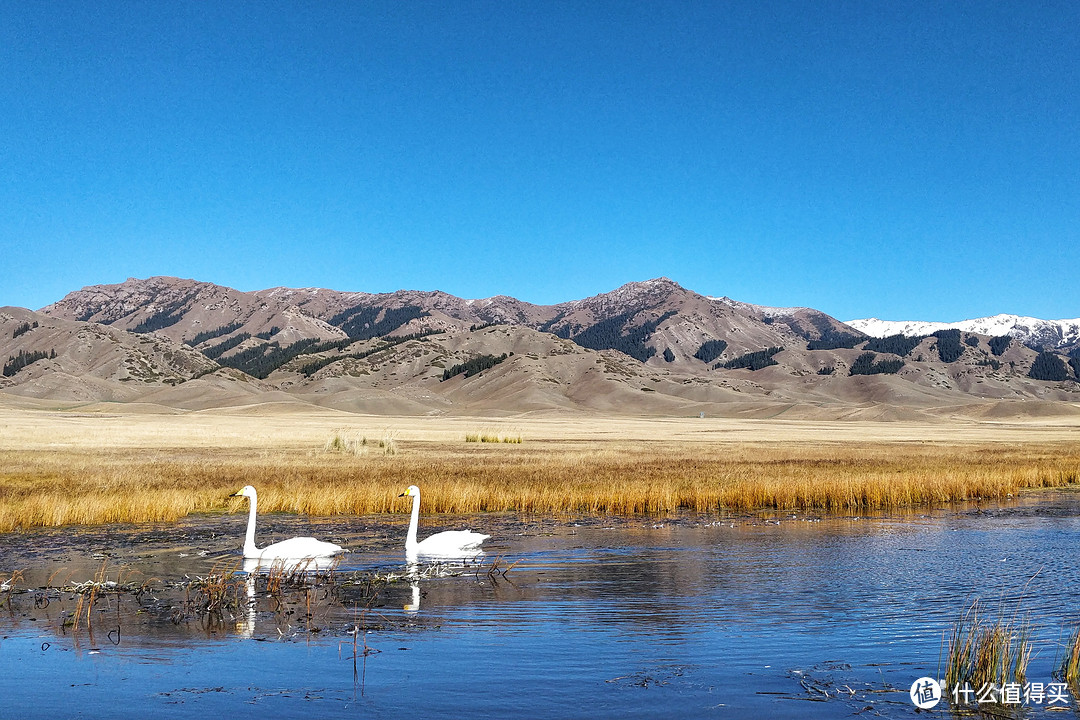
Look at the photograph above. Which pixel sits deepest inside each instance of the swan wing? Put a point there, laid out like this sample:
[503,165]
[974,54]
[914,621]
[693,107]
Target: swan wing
[451,542]
[299,548]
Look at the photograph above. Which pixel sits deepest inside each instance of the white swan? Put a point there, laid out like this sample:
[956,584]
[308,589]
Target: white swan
[297,548]
[449,544]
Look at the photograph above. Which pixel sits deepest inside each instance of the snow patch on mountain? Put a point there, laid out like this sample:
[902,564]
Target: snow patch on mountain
[1028,330]
[765,310]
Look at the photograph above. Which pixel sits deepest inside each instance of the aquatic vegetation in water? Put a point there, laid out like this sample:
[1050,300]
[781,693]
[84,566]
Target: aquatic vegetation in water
[7,587]
[285,601]
[984,652]
[1069,668]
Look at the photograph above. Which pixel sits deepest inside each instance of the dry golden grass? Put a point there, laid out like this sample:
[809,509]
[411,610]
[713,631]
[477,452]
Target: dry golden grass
[58,469]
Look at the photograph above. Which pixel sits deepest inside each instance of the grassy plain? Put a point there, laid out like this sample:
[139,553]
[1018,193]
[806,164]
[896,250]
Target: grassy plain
[59,468]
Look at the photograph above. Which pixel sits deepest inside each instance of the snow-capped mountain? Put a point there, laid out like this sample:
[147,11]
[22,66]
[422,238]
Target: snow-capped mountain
[1033,332]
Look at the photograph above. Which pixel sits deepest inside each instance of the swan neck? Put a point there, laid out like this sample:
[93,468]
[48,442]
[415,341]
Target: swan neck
[410,539]
[249,539]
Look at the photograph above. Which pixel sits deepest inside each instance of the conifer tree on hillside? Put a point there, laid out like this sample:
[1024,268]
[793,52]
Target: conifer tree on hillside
[896,344]
[948,345]
[835,341]
[865,365]
[753,360]
[1048,366]
[1000,344]
[710,350]
[17,362]
[23,329]
[472,366]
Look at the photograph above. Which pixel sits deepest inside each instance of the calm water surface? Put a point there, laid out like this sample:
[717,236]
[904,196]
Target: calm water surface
[688,616]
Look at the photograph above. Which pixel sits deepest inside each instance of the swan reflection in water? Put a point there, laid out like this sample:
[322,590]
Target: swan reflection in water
[413,608]
[246,627]
[436,567]
[288,569]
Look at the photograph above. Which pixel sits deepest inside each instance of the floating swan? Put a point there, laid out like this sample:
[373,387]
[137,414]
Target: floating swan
[449,544]
[293,549]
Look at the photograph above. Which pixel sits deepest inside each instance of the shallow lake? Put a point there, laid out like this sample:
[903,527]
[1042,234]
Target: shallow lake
[692,616]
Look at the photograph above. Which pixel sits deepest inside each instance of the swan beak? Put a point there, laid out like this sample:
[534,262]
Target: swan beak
[404,494]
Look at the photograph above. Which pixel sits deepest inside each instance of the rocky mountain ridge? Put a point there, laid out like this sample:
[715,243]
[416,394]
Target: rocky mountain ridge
[649,347]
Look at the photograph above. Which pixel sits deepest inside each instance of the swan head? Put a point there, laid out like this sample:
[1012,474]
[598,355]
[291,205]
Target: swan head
[411,491]
[246,491]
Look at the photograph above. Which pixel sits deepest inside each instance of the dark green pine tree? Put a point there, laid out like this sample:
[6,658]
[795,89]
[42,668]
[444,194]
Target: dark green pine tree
[1000,344]
[1049,366]
[948,345]
[710,350]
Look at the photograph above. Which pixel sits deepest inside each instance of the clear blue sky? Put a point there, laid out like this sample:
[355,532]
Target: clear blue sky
[905,160]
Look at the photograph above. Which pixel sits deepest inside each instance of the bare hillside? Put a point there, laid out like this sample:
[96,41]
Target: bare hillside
[648,348]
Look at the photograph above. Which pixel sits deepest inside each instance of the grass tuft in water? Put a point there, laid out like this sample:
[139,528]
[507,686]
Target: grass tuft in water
[7,587]
[219,590]
[985,652]
[1069,669]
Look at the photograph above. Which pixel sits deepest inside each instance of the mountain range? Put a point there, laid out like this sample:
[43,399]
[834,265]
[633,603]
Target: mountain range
[1060,335]
[646,348]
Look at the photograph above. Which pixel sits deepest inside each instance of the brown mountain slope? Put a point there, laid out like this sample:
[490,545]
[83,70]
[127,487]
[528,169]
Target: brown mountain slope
[642,319]
[86,361]
[646,348]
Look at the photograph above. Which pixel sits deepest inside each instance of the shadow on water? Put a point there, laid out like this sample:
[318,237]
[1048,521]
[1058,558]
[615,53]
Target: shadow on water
[757,615]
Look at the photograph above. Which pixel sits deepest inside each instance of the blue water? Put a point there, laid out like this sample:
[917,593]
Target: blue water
[600,618]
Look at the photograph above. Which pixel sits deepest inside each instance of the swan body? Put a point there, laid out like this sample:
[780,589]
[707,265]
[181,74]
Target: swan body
[449,544]
[293,549]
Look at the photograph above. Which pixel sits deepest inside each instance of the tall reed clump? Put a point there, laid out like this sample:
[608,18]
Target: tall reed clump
[983,652]
[1069,669]
[219,590]
[343,441]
